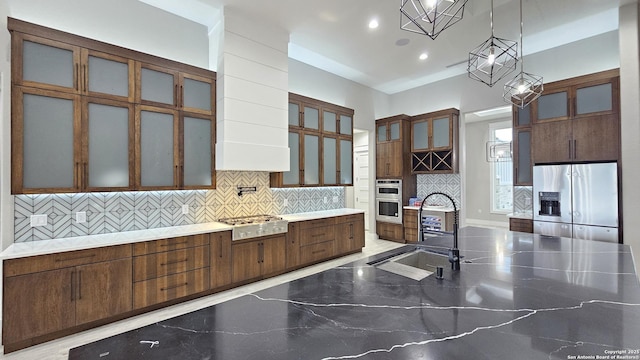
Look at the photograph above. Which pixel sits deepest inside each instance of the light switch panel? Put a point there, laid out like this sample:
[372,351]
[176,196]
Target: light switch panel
[38,220]
[185,209]
[285,202]
[81,217]
[335,199]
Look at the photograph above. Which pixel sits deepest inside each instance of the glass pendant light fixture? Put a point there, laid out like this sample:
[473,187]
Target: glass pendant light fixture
[430,17]
[493,59]
[525,87]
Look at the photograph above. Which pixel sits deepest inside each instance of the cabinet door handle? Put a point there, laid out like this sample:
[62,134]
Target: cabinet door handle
[181,178]
[174,286]
[73,283]
[569,149]
[175,95]
[220,252]
[85,177]
[174,262]
[181,94]
[176,243]
[85,82]
[350,231]
[575,149]
[75,258]
[80,285]
[77,84]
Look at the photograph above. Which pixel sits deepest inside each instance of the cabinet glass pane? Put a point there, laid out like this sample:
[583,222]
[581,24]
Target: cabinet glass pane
[421,135]
[197,94]
[329,122]
[594,99]
[108,154]
[329,158]
[441,133]
[197,152]
[345,125]
[395,131]
[157,86]
[552,105]
[294,114]
[48,142]
[382,133]
[346,166]
[108,76]
[292,177]
[311,160]
[47,64]
[156,148]
[311,118]
[524,116]
[524,157]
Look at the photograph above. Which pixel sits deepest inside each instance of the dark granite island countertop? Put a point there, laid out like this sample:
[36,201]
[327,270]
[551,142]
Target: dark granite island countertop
[517,296]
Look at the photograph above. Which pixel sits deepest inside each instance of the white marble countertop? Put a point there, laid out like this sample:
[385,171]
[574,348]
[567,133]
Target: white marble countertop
[320,214]
[42,247]
[521,215]
[430,208]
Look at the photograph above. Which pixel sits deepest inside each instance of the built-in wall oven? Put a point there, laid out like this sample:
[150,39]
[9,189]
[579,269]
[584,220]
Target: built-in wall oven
[389,200]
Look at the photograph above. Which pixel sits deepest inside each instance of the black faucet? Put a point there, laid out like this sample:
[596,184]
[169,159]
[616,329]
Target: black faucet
[454,253]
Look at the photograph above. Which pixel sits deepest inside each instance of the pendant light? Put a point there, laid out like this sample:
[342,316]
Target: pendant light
[493,59]
[430,17]
[525,87]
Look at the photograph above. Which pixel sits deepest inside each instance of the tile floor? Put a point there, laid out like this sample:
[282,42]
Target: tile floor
[59,349]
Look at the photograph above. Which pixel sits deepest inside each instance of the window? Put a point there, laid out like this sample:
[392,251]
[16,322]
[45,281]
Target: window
[501,171]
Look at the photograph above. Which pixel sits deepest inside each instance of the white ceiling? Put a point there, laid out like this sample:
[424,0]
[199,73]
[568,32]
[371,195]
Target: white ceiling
[333,34]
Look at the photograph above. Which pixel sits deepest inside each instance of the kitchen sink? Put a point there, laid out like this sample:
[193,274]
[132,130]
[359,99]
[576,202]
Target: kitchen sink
[417,264]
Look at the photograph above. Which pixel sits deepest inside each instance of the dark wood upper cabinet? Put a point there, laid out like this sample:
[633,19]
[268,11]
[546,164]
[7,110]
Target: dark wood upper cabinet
[320,143]
[434,142]
[578,120]
[115,112]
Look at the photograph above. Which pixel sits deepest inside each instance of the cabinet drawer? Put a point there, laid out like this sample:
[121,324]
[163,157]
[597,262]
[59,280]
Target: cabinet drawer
[170,262]
[521,225]
[170,287]
[349,218]
[32,264]
[410,218]
[317,252]
[150,247]
[317,223]
[317,235]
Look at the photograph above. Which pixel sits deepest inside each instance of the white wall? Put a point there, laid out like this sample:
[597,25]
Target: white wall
[131,24]
[6,202]
[630,126]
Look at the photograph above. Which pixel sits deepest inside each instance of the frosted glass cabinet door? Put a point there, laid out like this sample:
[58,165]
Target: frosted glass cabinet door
[441,133]
[311,160]
[311,118]
[294,114]
[197,153]
[553,105]
[157,149]
[346,125]
[382,133]
[48,139]
[108,75]
[50,63]
[346,162]
[329,121]
[292,177]
[593,99]
[394,131]
[329,157]
[420,133]
[197,95]
[157,87]
[524,175]
[107,146]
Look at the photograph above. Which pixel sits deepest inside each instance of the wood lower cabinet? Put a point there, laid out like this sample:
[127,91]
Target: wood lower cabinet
[293,245]
[521,225]
[220,259]
[254,259]
[410,225]
[389,231]
[49,293]
[350,233]
[169,269]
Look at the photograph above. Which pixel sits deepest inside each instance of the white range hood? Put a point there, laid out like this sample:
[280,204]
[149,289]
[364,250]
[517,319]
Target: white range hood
[252,91]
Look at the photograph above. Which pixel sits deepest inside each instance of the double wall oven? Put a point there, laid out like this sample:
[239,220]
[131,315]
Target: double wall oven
[389,200]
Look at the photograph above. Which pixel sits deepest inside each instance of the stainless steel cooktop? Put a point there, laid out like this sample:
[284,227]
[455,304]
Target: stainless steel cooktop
[246,227]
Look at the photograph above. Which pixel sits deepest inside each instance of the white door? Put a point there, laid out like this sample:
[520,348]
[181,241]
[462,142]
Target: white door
[361,183]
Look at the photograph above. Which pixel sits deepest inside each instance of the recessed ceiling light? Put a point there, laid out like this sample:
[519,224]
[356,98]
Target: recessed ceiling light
[373,24]
[424,56]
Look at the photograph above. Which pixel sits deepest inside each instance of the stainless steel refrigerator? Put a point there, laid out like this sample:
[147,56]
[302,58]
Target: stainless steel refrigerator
[576,200]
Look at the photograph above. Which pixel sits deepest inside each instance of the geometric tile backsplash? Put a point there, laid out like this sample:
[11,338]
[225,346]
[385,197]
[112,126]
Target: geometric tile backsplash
[446,183]
[126,211]
[522,199]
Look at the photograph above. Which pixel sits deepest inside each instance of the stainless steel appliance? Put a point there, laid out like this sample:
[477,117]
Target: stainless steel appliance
[247,227]
[389,200]
[576,200]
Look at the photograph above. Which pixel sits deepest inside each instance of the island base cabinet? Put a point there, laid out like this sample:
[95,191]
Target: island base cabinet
[350,234]
[166,288]
[220,259]
[389,231]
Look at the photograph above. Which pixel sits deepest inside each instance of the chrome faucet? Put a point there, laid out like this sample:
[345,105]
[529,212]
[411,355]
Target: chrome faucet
[454,253]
